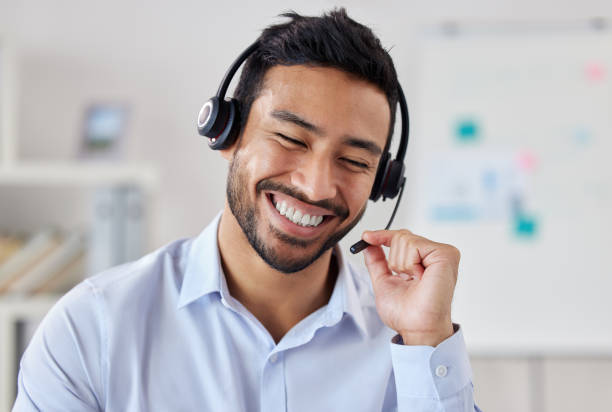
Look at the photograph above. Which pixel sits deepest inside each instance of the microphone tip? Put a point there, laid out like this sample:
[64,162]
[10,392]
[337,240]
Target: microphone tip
[359,246]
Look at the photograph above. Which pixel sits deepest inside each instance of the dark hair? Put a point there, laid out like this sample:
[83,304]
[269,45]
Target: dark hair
[331,40]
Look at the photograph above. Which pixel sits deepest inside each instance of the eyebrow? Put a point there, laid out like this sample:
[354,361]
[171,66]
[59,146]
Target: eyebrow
[358,143]
[297,120]
[352,141]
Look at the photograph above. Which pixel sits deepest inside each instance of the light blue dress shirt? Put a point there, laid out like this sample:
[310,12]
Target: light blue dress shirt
[164,334]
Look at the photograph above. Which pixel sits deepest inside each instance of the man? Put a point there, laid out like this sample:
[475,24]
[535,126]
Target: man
[262,311]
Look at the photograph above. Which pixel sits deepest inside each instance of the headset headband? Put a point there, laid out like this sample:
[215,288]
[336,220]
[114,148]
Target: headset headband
[227,79]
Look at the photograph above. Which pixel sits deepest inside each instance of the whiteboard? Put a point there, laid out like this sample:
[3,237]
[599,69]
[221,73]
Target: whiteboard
[510,160]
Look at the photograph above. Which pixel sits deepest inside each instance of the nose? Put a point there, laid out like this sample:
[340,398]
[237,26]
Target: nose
[314,177]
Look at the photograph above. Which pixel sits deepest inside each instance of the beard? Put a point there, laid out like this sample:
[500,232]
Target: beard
[248,218]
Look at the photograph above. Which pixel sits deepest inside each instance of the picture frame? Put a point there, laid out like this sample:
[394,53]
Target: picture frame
[104,126]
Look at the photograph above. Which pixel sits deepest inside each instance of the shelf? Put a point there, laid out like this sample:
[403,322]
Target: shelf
[77,174]
[18,307]
[12,309]
[117,216]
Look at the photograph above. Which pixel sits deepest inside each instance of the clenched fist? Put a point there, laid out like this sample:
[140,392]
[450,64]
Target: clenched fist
[414,286]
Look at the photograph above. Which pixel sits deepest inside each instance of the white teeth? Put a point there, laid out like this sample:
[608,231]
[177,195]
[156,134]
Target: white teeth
[296,216]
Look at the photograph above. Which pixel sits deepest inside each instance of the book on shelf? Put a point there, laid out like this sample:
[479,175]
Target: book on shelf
[8,246]
[49,262]
[62,281]
[35,249]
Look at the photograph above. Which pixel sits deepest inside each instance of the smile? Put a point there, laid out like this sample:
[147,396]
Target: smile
[297,216]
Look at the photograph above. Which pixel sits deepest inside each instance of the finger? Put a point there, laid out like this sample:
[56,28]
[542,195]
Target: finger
[396,251]
[413,261]
[376,262]
[378,237]
[409,258]
[381,237]
[394,254]
[404,257]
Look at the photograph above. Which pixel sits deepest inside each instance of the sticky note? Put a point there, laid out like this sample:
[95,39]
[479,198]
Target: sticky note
[527,161]
[467,131]
[582,136]
[595,72]
[525,226]
[489,180]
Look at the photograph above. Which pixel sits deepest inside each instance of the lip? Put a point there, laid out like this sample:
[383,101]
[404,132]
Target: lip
[291,228]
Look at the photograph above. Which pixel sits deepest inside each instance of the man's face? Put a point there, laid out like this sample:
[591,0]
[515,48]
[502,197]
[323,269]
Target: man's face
[303,170]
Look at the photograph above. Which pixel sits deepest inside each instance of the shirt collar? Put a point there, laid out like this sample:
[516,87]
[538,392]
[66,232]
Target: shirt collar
[347,292]
[203,272]
[204,275]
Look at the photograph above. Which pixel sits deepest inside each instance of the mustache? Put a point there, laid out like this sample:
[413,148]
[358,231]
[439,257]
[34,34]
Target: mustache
[340,211]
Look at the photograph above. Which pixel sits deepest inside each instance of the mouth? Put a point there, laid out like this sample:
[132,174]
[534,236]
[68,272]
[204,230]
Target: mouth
[296,217]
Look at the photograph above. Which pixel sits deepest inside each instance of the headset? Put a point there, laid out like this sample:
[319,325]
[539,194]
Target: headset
[219,121]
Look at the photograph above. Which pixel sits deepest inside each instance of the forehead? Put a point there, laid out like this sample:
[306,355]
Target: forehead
[333,100]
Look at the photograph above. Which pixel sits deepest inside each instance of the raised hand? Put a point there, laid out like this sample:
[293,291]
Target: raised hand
[414,286]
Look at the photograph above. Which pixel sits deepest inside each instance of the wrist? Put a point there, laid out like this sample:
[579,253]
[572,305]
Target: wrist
[427,338]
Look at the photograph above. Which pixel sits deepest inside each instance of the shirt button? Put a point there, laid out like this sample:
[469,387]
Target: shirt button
[274,358]
[441,371]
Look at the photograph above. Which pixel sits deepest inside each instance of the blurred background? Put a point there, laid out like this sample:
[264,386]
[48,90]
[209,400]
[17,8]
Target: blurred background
[511,132]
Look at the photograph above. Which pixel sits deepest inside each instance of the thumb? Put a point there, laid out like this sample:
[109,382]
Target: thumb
[376,262]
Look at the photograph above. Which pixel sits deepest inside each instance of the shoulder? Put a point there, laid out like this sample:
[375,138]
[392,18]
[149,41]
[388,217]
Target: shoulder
[167,260]
[120,290]
[136,284]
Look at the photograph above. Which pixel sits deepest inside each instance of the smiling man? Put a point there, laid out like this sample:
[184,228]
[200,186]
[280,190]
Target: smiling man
[262,311]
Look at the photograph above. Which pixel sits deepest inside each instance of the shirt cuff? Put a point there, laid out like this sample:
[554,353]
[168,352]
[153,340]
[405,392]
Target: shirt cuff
[428,372]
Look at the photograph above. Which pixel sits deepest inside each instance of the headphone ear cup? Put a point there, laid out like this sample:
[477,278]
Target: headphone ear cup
[227,136]
[394,180]
[218,121]
[381,173]
[209,119]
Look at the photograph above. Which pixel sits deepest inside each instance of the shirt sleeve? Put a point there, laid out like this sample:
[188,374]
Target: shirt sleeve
[433,379]
[61,367]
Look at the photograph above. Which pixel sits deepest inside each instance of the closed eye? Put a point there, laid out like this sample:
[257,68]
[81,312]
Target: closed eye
[357,164]
[290,140]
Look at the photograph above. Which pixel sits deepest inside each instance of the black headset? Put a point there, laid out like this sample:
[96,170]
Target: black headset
[219,121]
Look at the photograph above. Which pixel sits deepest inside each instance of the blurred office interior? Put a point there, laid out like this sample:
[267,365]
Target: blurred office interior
[511,130]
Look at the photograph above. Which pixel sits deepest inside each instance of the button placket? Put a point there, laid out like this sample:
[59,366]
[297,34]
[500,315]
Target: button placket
[273,390]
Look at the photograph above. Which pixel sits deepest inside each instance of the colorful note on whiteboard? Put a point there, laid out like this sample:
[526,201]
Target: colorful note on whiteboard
[475,185]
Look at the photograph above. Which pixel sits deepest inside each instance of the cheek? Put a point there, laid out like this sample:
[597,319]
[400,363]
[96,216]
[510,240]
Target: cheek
[356,191]
[265,160]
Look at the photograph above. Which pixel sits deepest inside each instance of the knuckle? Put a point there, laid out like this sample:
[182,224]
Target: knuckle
[404,233]
[452,250]
[455,252]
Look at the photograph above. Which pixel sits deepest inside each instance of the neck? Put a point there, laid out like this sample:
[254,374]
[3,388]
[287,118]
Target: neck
[278,300]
